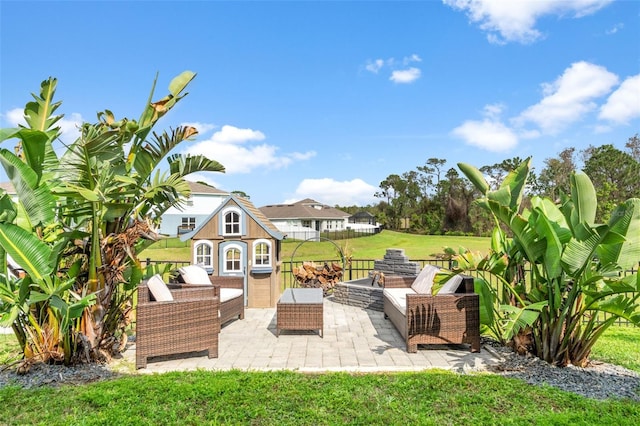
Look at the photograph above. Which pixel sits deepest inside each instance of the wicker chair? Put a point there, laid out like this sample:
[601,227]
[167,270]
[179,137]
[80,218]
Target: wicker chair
[231,290]
[189,323]
[438,319]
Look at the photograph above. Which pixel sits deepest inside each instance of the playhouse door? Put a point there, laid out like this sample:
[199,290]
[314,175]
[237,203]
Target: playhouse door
[233,259]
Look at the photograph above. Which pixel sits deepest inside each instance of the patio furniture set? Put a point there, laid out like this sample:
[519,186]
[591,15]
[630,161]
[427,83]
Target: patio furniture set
[186,316]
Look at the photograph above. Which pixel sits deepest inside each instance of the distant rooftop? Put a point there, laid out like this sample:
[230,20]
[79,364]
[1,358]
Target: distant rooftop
[304,209]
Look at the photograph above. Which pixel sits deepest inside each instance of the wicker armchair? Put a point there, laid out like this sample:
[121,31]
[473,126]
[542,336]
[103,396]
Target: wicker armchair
[231,289]
[437,319]
[189,323]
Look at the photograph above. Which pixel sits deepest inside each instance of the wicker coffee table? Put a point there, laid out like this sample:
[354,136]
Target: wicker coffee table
[300,309]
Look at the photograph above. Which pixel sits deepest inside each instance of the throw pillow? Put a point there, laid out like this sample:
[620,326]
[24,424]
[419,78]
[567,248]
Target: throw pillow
[424,280]
[194,274]
[451,286]
[159,289]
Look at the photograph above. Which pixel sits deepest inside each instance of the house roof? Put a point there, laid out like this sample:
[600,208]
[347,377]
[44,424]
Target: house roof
[200,188]
[251,210]
[7,187]
[363,214]
[304,209]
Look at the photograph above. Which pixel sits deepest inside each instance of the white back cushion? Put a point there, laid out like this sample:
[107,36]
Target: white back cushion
[159,289]
[194,274]
[424,280]
[452,285]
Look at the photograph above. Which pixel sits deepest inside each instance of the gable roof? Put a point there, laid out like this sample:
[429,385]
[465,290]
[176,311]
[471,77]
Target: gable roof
[249,209]
[200,188]
[304,209]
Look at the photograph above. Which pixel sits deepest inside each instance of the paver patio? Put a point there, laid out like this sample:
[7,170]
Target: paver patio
[355,340]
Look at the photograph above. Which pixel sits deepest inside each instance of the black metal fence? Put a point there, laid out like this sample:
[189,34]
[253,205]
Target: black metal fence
[360,268]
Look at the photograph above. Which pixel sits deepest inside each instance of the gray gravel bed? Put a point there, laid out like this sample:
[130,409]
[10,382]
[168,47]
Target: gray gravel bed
[598,380]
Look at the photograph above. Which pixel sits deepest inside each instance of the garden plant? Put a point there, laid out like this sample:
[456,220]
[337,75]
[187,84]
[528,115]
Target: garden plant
[583,275]
[80,218]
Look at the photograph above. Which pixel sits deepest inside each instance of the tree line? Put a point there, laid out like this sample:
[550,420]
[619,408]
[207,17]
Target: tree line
[435,199]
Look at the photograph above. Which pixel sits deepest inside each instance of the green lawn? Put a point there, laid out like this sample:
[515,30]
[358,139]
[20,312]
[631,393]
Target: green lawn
[371,247]
[290,398]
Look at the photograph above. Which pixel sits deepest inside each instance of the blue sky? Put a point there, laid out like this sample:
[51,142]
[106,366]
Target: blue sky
[326,99]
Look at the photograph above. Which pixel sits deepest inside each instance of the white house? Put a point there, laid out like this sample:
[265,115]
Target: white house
[203,200]
[306,219]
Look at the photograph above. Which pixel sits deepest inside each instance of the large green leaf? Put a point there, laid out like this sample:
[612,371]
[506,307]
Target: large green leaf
[185,165]
[516,180]
[583,195]
[518,318]
[34,143]
[33,255]
[475,176]
[39,112]
[180,82]
[553,251]
[36,198]
[625,220]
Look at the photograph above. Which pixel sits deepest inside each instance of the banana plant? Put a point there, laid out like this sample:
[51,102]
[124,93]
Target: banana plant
[579,269]
[93,206]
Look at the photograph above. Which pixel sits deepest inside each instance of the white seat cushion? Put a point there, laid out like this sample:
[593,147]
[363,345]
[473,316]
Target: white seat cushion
[159,289]
[424,281]
[398,297]
[195,275]
[229,293]
[451,286]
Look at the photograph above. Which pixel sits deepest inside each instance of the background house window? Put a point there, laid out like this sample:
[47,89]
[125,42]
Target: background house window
[188,222]
[232,261]
[262,254]
[232,223]
[204,254]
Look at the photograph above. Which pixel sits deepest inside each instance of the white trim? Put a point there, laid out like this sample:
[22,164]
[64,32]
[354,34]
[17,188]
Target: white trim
[269,253]
[223,216]
[206,257]
[224,258]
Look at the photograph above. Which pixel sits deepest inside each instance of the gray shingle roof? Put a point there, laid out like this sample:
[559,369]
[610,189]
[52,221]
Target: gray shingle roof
[304,209]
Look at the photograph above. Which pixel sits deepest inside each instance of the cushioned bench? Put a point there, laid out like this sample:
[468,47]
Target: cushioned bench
[450,316]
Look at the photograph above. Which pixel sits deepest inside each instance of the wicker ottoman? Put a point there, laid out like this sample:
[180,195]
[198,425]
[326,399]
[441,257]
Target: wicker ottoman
[300,309]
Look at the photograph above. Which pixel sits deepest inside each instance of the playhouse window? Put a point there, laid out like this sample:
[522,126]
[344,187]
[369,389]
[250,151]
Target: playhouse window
[204,254]
[232,262]
[262,253]
[232,223]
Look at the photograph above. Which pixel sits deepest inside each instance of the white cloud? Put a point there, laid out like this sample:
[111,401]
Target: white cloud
[69,127]
[15,117]
[413,58]
[331,192]
[230,135]
[202,127]
[398,75]
[405,76]
[374,66]
[615,29]
[623,104]
[569,98]
[508,20]
[230,147]
[488,134]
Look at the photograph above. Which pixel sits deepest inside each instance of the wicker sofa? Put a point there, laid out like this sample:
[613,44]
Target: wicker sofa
[231,289]
[188,323]
[451,316]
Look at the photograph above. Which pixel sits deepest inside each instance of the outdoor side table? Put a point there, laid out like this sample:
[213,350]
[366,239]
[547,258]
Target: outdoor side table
[300,309]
